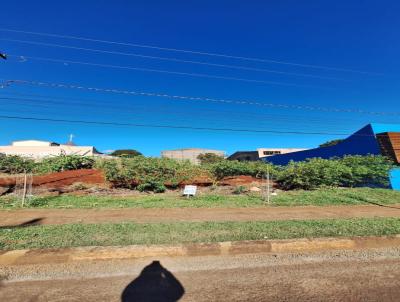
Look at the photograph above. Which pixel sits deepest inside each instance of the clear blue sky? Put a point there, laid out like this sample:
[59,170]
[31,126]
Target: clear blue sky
[351,35]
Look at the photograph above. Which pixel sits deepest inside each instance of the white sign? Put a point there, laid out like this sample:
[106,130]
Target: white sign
[190,190]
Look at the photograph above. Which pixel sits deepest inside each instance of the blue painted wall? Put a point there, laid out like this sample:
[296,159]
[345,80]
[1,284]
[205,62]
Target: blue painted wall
[363,142]
[395,179]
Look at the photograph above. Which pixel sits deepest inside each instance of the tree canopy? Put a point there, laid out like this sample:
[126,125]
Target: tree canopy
[209,158]
[331,143]
[126,153]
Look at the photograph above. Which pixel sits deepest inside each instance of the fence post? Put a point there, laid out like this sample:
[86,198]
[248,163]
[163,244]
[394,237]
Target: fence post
[268,189]
[24,191]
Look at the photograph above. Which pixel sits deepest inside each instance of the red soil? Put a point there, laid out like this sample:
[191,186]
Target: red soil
[61,179]
[239,180]
[91,176]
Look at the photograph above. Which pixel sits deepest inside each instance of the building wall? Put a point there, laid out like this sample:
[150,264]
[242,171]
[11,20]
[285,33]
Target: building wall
[363,142]
[264,152]
[31,143]
[44,151]
[189,154]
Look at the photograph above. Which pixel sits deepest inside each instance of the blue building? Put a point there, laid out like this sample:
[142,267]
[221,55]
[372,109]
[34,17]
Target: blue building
[375,139]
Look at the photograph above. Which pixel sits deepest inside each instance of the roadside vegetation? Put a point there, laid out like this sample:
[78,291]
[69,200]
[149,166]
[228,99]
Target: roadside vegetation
[319,197]
[14,164]
[158,174]
[73,235]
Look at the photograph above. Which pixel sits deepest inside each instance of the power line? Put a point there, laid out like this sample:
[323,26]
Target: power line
[201,75]
[271,121]
[220,114]
[188,51]
[167,126]
[172,59]
[7,83]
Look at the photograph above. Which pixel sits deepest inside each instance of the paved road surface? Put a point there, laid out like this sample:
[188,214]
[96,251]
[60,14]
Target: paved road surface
[63,216]
[331,276]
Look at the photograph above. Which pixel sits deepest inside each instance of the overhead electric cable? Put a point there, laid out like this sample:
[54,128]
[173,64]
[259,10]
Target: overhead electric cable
[187,51]
[201,75]
[214,117]
[242,116]
[172,59]
[12,117]
[7,83]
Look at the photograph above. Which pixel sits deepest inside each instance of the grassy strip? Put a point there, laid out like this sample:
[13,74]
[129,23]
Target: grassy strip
[150,201]
[55,236]
[319,197]
[337,196]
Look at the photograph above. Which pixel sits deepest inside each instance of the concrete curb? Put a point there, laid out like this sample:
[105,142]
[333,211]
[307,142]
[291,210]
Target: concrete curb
[67,255]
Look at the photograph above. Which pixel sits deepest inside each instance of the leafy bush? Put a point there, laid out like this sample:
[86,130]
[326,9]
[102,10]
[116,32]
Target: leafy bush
[233,168]
[349,171]
[14,164]
[131,172]
[209,158]
[154,186]
[367,170]
[63,163]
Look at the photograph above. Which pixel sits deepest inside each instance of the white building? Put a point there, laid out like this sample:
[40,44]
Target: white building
[39,149]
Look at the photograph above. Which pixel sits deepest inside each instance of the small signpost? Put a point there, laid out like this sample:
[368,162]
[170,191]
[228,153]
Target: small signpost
[189,191]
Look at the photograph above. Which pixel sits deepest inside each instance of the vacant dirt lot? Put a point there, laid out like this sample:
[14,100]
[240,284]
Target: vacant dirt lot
[64,216]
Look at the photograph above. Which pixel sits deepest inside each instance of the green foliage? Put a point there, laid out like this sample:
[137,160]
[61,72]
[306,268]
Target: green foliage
[151,185]
[350,171]
[63,163]
[14,164]
[122,234]
[233,168]
[209,158]
[131,172]
[126,153]
[331,143]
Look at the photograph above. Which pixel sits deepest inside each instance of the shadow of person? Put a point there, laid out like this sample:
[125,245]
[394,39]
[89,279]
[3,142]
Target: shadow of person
[155,283]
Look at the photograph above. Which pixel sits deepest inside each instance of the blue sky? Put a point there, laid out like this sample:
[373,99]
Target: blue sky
[346,36]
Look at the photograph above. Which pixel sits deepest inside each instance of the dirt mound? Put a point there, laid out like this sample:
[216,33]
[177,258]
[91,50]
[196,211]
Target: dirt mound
[240,180]
[61,179]
[67,178]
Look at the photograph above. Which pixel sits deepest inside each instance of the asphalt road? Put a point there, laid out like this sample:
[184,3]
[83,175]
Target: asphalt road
[372,275]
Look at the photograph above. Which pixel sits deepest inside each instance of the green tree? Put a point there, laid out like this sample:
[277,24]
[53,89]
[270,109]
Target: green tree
[331,143]
[126,153]
[209,158]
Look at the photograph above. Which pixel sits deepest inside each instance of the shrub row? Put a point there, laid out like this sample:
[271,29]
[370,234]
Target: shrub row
[148,174]
[152,174]
[14,164]
[349,171]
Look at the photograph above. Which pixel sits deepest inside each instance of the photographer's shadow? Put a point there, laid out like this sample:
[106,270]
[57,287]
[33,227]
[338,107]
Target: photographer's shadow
[155,283]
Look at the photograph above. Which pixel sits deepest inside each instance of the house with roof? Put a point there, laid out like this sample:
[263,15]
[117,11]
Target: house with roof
[39,149]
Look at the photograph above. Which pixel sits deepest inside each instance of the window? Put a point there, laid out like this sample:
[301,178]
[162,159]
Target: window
[271,152]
